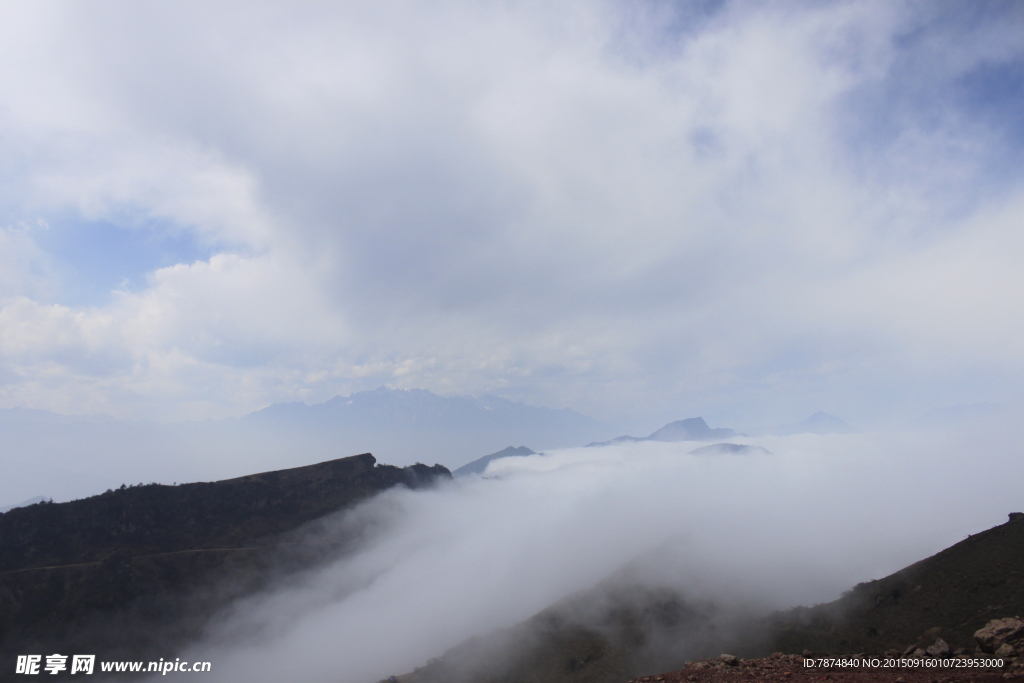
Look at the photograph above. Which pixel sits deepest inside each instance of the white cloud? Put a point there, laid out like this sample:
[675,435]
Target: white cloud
[438,567]
[597,205]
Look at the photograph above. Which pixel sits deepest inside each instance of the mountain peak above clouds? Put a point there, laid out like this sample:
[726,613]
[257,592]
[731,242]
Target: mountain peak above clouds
[730,449]
[690,429]
[480,464]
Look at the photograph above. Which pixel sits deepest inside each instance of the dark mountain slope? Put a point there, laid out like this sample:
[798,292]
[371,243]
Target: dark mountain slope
[603,635]
[145,566]
[158,519]
[949,595]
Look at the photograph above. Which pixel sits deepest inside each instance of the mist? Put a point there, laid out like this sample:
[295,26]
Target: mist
[747,210]
[750,532]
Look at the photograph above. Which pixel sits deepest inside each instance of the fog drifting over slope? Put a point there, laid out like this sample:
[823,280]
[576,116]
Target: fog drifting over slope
[797,526]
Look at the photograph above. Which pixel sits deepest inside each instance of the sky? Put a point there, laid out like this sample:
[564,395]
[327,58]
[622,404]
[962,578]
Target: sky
[749,211]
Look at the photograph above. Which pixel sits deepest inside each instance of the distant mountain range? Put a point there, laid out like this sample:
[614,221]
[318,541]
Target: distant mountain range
[418,409]
[407,425]
[690,429]
[696,429]
[69,457]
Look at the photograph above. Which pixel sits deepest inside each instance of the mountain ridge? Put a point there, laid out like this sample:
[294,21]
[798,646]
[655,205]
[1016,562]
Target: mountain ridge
[137,570]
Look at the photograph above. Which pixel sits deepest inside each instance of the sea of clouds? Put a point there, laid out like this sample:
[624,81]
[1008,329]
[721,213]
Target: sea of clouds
[759,531]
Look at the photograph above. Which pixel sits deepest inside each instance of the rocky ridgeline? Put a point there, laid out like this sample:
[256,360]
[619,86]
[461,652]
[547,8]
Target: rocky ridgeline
[154,518]
[140,569]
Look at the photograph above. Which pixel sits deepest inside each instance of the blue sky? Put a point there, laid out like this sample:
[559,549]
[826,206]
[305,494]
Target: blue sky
[746,210]
[93,259]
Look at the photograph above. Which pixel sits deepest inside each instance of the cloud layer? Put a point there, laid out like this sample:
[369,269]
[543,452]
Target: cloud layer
[797,526]
[751,209]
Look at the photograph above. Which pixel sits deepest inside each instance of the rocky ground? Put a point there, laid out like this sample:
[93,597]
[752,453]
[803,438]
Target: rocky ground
[999,656]
[794,669]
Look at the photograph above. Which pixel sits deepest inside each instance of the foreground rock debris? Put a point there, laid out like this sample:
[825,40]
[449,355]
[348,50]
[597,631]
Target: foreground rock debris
[1000,640]
[1002,637]
[795,669]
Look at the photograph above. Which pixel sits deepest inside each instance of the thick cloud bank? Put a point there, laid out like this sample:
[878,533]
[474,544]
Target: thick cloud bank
[722,208]
[797,526]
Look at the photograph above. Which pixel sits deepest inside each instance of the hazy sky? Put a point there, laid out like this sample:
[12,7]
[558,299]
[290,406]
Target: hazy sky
[746,210]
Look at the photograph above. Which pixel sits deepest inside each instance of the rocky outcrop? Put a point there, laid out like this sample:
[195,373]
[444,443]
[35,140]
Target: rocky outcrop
[1003,638]
[999,633]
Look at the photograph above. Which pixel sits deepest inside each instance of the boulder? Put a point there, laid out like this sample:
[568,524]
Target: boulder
[939,648]
[999,632]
